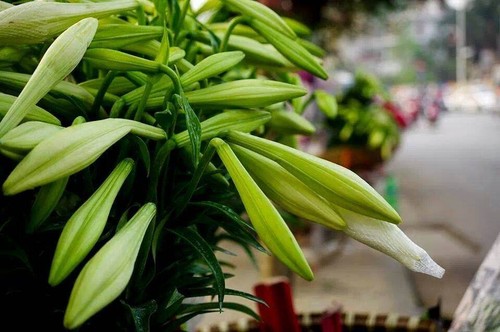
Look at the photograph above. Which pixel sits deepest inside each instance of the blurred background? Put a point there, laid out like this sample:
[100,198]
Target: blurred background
[417,90]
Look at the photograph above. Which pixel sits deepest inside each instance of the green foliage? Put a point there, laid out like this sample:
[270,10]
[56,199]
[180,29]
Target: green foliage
[362,119]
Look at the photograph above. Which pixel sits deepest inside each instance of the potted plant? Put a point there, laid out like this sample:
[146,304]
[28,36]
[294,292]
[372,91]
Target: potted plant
[135,137]
[366,128]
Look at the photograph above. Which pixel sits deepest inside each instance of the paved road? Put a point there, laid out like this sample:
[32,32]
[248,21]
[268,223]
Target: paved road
[449,182]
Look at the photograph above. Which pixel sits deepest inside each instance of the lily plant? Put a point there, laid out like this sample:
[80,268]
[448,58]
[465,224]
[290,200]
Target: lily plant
[133,137]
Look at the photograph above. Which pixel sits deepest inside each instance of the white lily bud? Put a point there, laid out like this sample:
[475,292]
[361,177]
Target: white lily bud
[390,239]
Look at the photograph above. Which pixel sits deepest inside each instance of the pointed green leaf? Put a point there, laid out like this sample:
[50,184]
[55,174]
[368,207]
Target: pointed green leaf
[191,236]
[193,127]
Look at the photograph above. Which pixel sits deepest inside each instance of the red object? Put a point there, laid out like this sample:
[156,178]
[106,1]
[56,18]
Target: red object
[331,321]
[397,114]
[280,316]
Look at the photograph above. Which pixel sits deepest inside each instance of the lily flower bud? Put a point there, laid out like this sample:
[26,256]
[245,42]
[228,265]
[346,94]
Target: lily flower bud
[290,123]
[241,120]
[61,58]
[267,221]
[258,11]
[27,135]
[35,113]
[46,201]
[247,93]
[72,149]
[335,183]
[106,275]
[287,191]
[291,49]
[390,239]
[38,21]
[211,66]
[85,226]
[103,58]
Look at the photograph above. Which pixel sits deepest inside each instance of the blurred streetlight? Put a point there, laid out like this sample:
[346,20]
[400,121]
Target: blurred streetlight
[459,6]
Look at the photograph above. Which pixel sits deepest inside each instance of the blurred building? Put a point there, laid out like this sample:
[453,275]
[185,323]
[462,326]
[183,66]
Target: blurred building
[379,49]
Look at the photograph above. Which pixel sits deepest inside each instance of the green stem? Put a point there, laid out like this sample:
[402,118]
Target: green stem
[232,24]
[200,170]
[156,170]
[117,108]
[108,79]
[173,76]
[142,103]
[183,15]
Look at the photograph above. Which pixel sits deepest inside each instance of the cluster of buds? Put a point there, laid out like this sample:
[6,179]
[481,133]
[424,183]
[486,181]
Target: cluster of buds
[142,73]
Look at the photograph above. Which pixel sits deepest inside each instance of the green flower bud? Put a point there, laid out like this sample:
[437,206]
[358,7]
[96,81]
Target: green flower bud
[212,66]
[267,221]
[46,201]
[106,275]
[262,13]
[291,49]
[72,149]
[335,183]
[119,86]
[220,28]
[116,36]
[61,58]
[5,5]
[249,93]
[290,123]
[255,52]
[103,58]
[38,21]
[19,80]
[27,135]
[287,191]
[35,113]
[299,28]
[85,226]
[244,121]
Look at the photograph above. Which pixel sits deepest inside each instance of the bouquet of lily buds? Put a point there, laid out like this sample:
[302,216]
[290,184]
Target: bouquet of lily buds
[136,137]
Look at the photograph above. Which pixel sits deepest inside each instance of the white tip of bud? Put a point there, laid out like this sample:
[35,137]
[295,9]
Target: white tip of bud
[390,239]
[427,265]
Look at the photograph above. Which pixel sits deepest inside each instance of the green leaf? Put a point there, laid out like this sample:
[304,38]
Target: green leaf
[326,103]
[228,212]
[141,315]
[188,308]
[195,292]
[193,126]
[143,152]
[191,236]
[171,306]
[165,119]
